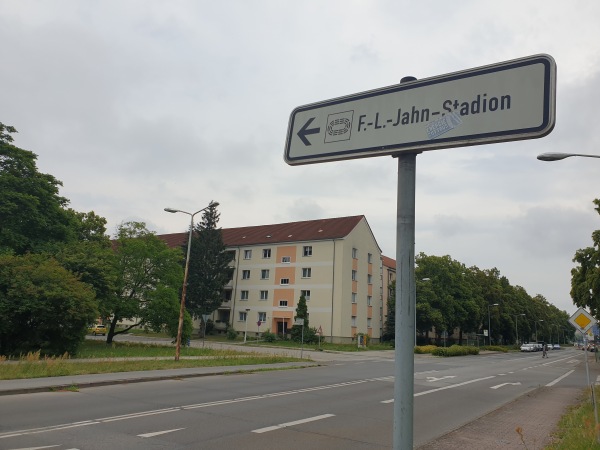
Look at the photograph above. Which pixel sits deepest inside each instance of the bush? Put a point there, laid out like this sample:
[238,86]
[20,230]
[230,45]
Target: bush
[269,337]
[455,350]
[232,334]
[421,349]
[495,348]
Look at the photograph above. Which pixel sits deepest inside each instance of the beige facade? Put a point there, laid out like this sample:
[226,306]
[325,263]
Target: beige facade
[335,263]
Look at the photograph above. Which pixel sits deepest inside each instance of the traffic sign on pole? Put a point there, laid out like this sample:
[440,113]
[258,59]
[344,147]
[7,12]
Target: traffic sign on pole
[506,101]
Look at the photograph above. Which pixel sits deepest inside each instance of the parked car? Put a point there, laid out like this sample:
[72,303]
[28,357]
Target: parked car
[528,348]
[556,347]
[98,329]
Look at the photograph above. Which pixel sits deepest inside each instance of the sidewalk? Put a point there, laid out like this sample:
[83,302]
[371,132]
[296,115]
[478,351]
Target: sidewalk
[534,416]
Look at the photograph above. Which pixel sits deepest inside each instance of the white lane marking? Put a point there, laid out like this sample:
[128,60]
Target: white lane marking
[36,448]
[430,379]
[186,407]
[136,415]
[158,433]
[289,424]
[552,383]
[427,371]
[452,386]
[505,384]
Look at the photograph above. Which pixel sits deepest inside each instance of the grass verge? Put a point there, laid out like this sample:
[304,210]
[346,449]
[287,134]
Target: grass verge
[33,366]
[577,428]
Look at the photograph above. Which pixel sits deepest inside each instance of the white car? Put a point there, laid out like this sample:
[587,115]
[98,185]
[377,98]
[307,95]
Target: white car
[528,348]
[556,347]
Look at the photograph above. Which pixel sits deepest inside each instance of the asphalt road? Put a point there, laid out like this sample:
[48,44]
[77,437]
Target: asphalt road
[345,404]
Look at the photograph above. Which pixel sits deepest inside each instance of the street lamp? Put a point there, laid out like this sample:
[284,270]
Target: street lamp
[517,325]
[246,324]
[559,156]
[185,274]
[535,323]
[490,324]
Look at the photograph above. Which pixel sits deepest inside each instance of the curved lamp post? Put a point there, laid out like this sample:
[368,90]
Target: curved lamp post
[559,156]
[185,274]
[490,324]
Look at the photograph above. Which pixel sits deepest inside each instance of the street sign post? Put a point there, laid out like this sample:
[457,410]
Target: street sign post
[507,101]
[501,102]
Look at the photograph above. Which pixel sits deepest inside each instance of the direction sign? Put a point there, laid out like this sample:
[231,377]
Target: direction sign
[507,101]
[582,320]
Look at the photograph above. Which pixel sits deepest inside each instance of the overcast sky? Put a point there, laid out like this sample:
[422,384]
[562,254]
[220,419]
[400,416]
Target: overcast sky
[140,105]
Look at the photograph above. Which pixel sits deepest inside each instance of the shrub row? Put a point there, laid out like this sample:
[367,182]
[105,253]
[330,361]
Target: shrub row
[455,350]
[421,349]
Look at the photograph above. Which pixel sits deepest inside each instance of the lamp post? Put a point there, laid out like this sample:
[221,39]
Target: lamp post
[535,323]
[559,156]
[185,273]
[490,324]
[517,325]
[246,324]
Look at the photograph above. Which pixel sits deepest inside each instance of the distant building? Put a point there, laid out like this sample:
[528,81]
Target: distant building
[335,263]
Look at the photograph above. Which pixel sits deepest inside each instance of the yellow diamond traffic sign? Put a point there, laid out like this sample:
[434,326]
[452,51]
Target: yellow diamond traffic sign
[582,320]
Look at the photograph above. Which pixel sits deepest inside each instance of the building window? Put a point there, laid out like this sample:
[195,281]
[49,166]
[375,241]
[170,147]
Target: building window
[306,294]
[286,259]
[354,297]
[243,316]
[354,253]
[262,316]
[354,275]
[283,303]
[264,295]
[264,274]
[245,274]
[369,278]
[307,250]
[247,254]
[353,321]
[306,272]
[368,322]
[369,258]
[244,295]
[369,300]
[284,281]
[266,252]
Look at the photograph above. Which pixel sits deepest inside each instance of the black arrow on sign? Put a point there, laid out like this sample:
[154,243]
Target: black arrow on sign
[304,131]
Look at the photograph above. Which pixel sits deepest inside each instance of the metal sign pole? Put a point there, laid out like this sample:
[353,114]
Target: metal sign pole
[405,303]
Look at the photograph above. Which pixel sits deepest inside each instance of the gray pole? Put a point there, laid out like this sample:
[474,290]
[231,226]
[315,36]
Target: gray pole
[405,303]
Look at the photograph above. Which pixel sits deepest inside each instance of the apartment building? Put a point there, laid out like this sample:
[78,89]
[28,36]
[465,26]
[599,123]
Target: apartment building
[335,263]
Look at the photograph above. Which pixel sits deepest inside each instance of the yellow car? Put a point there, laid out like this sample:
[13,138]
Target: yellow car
[97,329]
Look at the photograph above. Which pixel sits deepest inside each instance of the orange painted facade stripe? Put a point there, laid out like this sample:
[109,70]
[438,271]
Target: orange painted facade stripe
[288,250]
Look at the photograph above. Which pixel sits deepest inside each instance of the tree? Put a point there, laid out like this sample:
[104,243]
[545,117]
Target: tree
[32,213]
[209,269]
[148,278]
[389,328]
[42,305]
[585,278]
[301,313]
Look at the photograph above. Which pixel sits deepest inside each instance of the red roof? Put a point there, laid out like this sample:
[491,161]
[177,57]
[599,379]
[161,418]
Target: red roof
[308,230]
[388,262]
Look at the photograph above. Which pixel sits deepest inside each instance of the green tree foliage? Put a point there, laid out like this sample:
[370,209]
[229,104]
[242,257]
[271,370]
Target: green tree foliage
[389,328]
[302,313]
[209,269]
[42,305]
[148,278]
[90,256]
[452,297]
[32,213]
[585,278]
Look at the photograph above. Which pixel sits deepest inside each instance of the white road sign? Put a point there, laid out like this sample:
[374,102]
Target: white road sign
[507,101]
